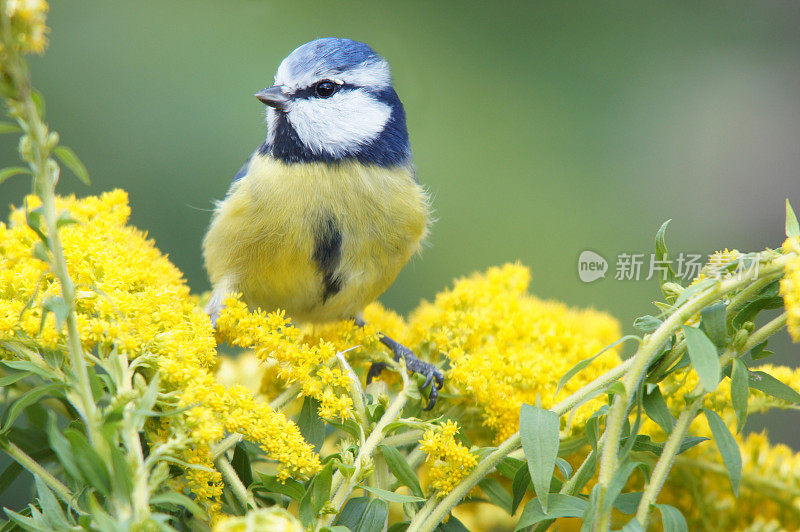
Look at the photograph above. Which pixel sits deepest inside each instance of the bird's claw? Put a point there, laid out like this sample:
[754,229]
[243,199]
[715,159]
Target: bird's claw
[414,365]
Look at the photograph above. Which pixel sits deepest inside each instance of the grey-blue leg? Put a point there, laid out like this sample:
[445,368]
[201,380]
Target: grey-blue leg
[414,364]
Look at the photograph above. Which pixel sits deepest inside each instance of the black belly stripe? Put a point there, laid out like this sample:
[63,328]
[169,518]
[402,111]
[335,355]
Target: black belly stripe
[327,254]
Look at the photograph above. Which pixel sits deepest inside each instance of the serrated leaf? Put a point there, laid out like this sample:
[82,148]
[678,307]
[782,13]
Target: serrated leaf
[713,323]
[768,384]
[559,506]
[792,227]
[539,432]
[704,357]
[728,448]
[399,467]
[390,496]
[672,519]
[740,392]
[656,409]
[71,161]
[8,173]
[25,400]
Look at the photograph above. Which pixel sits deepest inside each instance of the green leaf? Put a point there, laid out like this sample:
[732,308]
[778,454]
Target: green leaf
[713,323]
[58,307]
[123,483]
[25,400]
[8,380]
[496,493]
[452,525]
[25,522]
[727,448]
[559,506]
[704,357]
[374,517]
[38,101]
[617,483]
[564,467]
[577,368]
[627,503]
[391,496]
[647,324]
[179,499]
[9,475]
[71,161]
[399,467]
[311,426]
[632,526]
[792,227]
[768,384]
[662,254]
[519,487]
[352,512]
[538,430]
[89,462]
[291,488]
[7,173]
[672,519]
[61,447]
[321,487]
[693,290]
[9,127]
[760,351]
[740,392]
[656,409]
[241,464]
[50,506]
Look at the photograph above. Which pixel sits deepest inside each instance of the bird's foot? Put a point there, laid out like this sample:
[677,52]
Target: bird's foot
[413,364]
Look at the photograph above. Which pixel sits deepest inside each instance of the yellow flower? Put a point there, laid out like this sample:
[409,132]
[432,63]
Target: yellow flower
[450,460]
[27,21]
[507,347]
[132,299]
[790,288]
[265,520]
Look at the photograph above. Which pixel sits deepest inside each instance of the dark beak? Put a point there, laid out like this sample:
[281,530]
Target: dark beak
[273,96]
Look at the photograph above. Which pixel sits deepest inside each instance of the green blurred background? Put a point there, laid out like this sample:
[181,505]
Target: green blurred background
[542,129]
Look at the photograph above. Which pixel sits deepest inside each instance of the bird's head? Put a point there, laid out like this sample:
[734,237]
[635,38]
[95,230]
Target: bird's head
[333,100]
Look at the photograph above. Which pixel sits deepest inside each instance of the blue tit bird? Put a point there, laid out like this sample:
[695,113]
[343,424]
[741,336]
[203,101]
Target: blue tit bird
[324,214]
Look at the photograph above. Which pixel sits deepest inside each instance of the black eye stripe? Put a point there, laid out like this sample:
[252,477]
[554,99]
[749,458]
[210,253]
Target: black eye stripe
[310,91]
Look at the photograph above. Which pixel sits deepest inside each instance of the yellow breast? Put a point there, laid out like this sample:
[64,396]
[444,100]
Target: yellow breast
[318,240]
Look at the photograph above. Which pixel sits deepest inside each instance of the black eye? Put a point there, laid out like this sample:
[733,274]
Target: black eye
[325,88]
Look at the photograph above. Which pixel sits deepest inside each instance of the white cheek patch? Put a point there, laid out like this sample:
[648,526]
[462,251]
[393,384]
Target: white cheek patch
[339,124]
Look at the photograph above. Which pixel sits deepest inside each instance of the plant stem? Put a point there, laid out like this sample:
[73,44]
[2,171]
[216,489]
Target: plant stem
[35,468]
[609,458]
[429,522]
[232,479]
[673,443]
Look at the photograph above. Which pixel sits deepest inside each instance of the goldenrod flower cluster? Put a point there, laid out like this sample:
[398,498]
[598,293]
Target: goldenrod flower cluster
[131,298]
[27,24]
[295,356]
[790,289]
[450,461]
[507,347]
[263,520]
